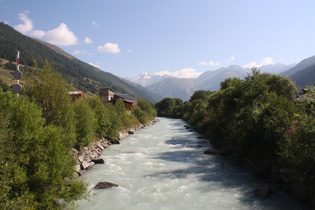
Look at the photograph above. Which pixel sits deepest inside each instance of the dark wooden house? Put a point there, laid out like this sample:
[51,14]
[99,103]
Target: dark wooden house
[107,95]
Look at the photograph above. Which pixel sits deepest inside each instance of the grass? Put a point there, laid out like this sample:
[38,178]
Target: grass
[6,75]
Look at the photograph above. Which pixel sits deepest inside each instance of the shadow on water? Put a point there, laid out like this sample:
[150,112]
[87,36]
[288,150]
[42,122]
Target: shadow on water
[216,169]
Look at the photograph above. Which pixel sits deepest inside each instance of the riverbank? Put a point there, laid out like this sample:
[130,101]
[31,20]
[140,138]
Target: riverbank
[163,167]
[88,156]
[278,174]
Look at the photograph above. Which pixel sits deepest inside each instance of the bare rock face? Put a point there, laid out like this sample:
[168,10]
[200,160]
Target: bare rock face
[263,191]
[104,185]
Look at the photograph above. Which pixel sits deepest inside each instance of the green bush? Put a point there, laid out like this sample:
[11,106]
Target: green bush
[34,160]
[102,114]
[86,123]
[48,90]
[144,111]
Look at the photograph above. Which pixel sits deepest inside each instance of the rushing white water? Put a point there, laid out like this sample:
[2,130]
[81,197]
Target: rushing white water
[164,167]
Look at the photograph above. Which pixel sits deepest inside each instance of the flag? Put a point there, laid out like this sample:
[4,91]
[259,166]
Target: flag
[18,58]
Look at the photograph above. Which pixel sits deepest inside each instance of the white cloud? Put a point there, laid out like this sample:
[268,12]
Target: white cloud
[27,25]
[266,61]
[95,24]
[210,63]
[97,65]
[61,36]
[184,73]
[87,40]
[110,48]
[130,51]
[251,65]
[231,59]
[38,33]
[78,52]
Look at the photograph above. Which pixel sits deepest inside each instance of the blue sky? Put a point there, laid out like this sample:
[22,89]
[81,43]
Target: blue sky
[183,38]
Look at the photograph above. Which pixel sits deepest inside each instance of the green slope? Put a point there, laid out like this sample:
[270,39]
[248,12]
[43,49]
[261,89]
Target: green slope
[303,74]
[81,75]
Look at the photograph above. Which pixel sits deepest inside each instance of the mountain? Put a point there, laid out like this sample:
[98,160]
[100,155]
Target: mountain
[183,88]
[303,74]
[275,68]
[174,87]
[80,74]
[210,80]
[145,79]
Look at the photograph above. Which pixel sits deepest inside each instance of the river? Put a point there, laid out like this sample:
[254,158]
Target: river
[163,167]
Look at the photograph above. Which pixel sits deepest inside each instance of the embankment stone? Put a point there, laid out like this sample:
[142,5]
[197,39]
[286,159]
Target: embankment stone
[104,185]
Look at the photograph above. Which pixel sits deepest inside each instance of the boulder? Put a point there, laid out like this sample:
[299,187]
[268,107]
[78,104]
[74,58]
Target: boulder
[98,161]
[75,175]
[91,164]
[100,146]
[81,172]
[87,159]
[211,152]
[77,168]
[263,191]
[131,132]
[104,185]
[85,165]
[94,154]
[74,152]
[81,158]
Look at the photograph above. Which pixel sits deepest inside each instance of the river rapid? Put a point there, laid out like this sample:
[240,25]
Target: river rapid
[163,167]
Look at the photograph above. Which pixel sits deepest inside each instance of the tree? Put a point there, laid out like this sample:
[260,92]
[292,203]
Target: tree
[102,114]
[85,121]
[168,107]
[201,94]
[48,90]
[36,167]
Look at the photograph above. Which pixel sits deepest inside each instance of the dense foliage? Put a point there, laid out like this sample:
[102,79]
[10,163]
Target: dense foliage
[256,119]
[38,130]
[4,86]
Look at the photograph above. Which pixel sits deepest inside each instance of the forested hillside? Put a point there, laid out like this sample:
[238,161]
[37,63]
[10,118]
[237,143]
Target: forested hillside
[303,74]
[81,75]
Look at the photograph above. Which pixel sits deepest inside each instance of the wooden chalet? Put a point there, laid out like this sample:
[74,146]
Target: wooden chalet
[109,96]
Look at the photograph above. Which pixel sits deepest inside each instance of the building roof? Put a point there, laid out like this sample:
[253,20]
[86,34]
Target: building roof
[107,89]
[125,96]
[75,92]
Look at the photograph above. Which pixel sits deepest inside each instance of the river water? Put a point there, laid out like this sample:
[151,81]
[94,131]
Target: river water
[163,167]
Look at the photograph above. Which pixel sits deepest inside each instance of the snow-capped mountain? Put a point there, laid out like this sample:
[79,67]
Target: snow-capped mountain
[145,79]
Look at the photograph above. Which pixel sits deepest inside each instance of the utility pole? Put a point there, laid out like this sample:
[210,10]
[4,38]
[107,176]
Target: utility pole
[17,75]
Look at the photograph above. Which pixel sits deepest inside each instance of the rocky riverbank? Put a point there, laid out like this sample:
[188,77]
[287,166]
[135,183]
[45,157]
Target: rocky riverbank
[88,156]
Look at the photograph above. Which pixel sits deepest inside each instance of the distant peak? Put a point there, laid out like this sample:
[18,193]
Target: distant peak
[144,73]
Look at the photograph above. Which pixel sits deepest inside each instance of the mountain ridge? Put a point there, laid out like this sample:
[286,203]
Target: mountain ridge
[81,75]
[303,74]
[183,88]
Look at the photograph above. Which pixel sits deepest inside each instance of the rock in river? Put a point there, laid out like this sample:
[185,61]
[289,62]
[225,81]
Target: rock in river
[104,185]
